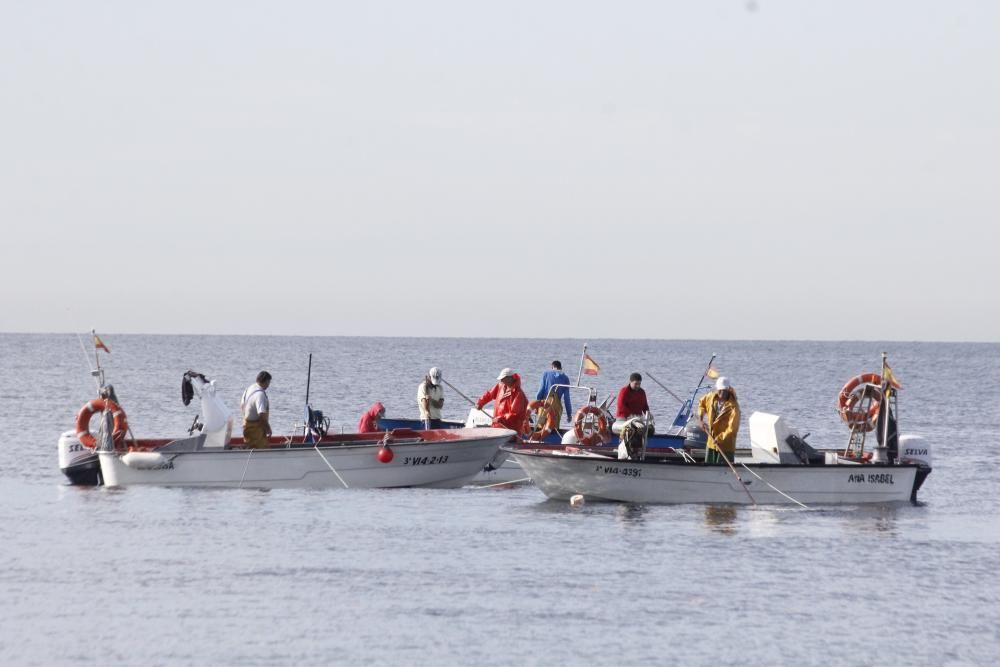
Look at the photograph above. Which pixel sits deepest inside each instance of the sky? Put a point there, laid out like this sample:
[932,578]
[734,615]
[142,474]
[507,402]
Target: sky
[639,169]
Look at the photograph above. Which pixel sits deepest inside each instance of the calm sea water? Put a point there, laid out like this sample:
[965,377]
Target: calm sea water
[497,576]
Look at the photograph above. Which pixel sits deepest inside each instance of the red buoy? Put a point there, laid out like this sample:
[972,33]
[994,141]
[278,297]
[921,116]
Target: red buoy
[384,454]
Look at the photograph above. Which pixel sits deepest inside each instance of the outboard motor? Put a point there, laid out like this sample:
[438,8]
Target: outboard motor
[80,464]
[914,449]
[694,435]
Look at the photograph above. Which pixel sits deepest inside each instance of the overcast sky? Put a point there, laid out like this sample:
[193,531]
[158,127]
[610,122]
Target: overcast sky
[702,169]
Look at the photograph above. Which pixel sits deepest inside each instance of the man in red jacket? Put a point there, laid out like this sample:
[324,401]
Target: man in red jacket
[632,398]
[511,404]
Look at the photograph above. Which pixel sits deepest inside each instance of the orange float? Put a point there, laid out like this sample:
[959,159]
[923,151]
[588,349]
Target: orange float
[590,432]
[534,433]
[120,427]
[859,387]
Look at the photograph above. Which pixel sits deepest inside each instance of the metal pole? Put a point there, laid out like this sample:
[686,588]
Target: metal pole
[93,372]
[309,377]
[664,388]
[306,433]
[579,375]
[97,359]
[472,402]
[739,479]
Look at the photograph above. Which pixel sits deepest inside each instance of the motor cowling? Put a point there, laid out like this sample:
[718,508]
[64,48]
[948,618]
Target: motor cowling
[694,435]
[80,464]
[915,449]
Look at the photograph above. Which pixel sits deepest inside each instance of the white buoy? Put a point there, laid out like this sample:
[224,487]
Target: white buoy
[576,501]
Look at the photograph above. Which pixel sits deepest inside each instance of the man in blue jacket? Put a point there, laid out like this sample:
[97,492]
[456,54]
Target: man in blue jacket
[553,377]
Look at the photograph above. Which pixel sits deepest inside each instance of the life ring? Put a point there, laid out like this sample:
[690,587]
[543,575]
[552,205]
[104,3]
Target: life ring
[853,393]
[585,432]
[100,405]
[534,433]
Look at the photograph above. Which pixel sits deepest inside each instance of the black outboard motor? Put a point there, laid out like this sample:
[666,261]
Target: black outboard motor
[80,464]
[694,435]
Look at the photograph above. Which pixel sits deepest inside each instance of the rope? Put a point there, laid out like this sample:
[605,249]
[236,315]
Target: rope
[245,466]
[513,481]
[803,505]
[316,447]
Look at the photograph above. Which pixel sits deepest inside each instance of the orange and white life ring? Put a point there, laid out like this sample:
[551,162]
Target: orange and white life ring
[545,421]
[120,422]
[853,394]
[590,425]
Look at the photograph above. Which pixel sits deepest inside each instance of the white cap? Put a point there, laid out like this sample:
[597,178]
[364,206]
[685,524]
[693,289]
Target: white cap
[506,373]
[723,383]
[435,375]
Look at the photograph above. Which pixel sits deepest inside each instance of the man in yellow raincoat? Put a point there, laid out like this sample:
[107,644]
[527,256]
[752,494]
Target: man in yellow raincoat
[720,417]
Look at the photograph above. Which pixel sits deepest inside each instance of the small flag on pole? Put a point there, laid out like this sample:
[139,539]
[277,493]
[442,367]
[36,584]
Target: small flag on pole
[891,378]
[590,367]
[712,373]
[99,344]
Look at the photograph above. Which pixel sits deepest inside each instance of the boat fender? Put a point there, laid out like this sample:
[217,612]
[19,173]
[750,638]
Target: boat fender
[384,454]
[83,433]
[590,431]
[147,461]
[576,501]
[545,421]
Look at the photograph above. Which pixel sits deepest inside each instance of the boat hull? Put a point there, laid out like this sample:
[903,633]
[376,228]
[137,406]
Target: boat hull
[562,476]
[416,461]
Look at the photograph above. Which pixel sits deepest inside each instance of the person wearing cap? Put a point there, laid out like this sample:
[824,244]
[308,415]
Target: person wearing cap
[559,395]
[430,398]
[511,407]
[719,413]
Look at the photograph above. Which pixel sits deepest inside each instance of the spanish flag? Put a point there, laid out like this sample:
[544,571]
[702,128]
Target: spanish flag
[712,373]
[891,378]
[99,344]
[590,367]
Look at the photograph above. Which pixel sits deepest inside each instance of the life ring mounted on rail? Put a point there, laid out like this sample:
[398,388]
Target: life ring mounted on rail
[120,423]
[851,402]
[545,421]
[590,425]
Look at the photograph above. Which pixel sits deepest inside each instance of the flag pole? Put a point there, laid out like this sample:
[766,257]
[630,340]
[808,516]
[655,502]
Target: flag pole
[97,358]
[86,359]
[583,355]
[885,399]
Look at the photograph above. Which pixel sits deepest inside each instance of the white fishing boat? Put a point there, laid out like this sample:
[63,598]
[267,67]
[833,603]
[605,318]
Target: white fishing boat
[444,458]
[208,456]
[781,468]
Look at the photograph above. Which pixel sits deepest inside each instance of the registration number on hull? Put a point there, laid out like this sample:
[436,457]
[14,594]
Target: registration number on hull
[623,471]
[423,460]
